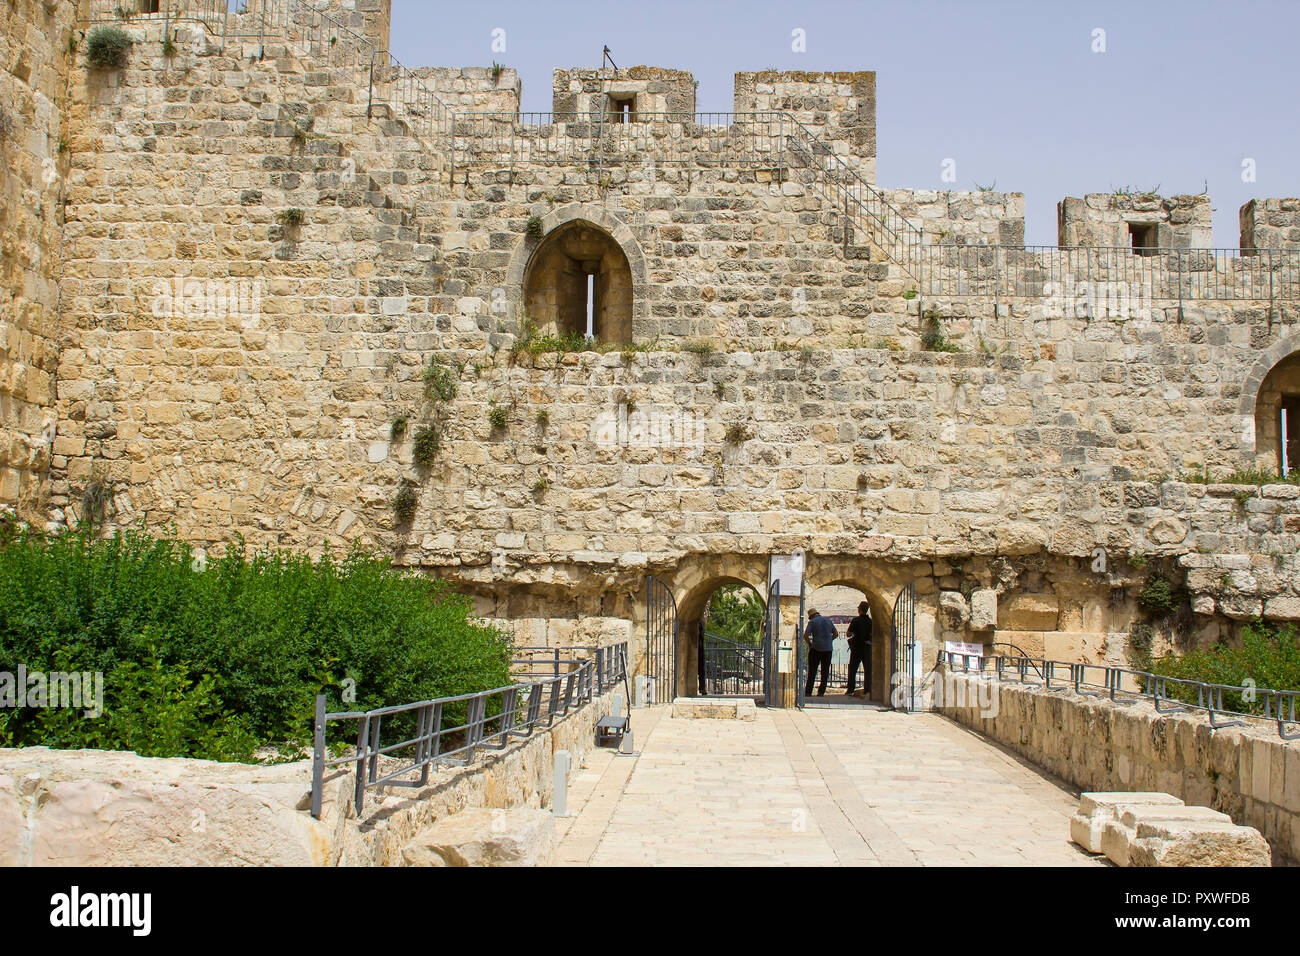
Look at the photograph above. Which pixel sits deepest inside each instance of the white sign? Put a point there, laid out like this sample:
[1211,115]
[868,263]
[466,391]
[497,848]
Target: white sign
[973,653]
[788,570]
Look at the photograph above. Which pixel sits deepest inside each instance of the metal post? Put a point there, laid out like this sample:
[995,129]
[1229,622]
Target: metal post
[560,797]
[318,757]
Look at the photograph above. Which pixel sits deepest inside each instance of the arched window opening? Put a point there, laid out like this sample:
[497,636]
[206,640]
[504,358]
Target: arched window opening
[1277,418]
[578,283]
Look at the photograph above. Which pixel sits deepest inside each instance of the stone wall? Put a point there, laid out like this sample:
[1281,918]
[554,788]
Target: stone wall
[34,52]
[1270,224]
[1248,773]
[1104,219]
[976,217]
[100,808]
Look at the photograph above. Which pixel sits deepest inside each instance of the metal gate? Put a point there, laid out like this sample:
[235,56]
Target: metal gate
[771,646]
[661,640]
[800,653]
[731,669]
[903,652]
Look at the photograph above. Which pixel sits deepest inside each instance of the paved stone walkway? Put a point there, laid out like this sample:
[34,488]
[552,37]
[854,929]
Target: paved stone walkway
[822,787]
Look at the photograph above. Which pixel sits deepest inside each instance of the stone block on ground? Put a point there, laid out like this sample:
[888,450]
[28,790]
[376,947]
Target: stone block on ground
[1096,809]
[1119,836]
[484,837]
[1193,843]
[721,708]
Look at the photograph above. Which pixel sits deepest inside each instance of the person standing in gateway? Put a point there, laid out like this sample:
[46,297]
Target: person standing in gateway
[820,636]
[860,650]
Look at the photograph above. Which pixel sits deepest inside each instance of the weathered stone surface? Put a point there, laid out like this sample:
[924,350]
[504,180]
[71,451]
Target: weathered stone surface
[954,609]
[1248,773]
[481,837]
[983,609]
[719,708]
[1191,843]
[1098,809]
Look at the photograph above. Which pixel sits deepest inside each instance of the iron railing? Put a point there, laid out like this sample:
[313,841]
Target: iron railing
[1106,281]
[305,29]
[731,668]
[1124,685]
[1119,282]
[451,730]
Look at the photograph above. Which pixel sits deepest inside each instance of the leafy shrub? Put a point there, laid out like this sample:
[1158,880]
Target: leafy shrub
[737,614]
[534,229]
[498,416]
[291,218]
[107,48]
[439,382]
[405,503]
[209,662]
[1159,597]
[1268,656]
[425,447]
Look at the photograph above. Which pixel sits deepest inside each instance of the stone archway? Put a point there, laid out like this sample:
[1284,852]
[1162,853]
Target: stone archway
[1253,404]
[1277,399]
[695,581]
[546,277]
[881,583]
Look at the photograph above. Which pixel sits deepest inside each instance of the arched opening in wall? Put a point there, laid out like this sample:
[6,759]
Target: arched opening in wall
[579,284]
[1277,418]
[720,649]
[857,668]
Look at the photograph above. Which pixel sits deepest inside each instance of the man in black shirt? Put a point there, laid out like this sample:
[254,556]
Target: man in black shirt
[860,649]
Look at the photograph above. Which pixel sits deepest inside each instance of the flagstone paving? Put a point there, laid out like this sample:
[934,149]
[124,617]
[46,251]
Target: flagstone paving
[822,787]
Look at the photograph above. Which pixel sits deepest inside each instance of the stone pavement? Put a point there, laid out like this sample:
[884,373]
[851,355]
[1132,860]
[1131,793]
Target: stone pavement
[823,787]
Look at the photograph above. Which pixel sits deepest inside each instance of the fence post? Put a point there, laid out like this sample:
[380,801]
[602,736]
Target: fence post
[318,757]
[560,799]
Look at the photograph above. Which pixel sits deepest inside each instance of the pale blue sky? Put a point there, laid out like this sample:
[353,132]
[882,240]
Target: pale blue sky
[1011,90]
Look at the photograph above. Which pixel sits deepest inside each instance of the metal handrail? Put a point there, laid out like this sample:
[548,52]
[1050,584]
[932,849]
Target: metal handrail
[492,719]
[1124,685]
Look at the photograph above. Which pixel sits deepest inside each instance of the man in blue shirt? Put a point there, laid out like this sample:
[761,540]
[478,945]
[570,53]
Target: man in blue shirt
[820,637]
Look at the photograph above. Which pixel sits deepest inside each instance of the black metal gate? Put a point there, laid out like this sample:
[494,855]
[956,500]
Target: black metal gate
[903,652]
[661,640]
[800,653]
[771,646]
[732,668]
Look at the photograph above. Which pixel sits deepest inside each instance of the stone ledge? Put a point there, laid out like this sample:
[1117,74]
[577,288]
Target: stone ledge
[718,708]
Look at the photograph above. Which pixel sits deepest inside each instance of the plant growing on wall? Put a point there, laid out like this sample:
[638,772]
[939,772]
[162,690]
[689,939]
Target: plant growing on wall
[932,337]
[428,441]
[533,230]
[108,48]
[291,218]
[498,416]
[397,431]
[404,504]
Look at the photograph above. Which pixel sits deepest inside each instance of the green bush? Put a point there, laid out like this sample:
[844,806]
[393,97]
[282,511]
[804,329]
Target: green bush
[212,662]
[1269,656]
[107,48]
[737,614]
[1160,597]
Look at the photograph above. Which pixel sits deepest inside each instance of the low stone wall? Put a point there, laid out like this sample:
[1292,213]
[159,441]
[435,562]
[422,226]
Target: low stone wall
[1248,773]
[101,808]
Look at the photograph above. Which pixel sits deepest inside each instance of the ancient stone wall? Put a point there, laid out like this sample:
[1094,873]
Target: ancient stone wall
[35,37]
[979,216]
[1248,773]
[1270,224]
[1105,219]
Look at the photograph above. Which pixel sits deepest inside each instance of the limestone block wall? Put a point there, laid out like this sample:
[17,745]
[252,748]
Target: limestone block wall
[967,216]
[1270,224]
[34,52]
[651,91]
[475,89]
[1248,773]
[839,108]
[1103,219]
